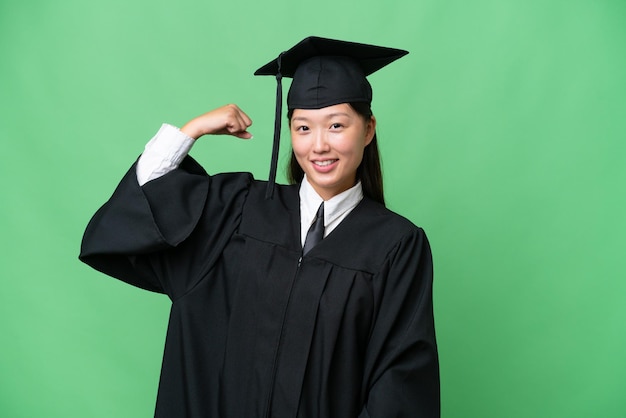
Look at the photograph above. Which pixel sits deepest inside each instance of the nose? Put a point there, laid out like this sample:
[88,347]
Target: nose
[320,142]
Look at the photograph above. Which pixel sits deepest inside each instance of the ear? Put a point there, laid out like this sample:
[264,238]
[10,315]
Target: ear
[370,130]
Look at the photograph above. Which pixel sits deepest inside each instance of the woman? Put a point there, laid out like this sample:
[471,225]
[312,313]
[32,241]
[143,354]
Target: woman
[305,300]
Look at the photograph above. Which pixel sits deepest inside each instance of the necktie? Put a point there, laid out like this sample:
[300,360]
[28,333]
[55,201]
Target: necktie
[316,231]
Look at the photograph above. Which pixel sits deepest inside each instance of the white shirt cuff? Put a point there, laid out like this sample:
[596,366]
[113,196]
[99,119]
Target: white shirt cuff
[163,153]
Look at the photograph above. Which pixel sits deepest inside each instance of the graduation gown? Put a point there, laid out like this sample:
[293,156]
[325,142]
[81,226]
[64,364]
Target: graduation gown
[257,330]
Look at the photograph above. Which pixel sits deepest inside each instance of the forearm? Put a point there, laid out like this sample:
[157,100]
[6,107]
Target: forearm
[170,145]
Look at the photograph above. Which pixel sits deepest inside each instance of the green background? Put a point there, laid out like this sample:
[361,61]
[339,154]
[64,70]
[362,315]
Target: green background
[502,134]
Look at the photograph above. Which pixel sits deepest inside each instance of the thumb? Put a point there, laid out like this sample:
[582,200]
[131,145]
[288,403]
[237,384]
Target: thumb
[243,135]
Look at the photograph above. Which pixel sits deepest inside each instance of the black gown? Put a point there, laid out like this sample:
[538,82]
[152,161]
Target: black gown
[257,330]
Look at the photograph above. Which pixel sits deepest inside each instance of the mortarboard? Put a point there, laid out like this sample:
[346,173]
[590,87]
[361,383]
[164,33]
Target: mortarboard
[325,72]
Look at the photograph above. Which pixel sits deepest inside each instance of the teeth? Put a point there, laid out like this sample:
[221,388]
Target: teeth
[324,163]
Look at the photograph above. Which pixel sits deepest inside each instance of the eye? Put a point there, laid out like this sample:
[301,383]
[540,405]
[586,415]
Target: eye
[336,126]
[302,128]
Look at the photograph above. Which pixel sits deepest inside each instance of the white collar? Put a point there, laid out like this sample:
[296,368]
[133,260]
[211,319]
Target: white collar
[335,209]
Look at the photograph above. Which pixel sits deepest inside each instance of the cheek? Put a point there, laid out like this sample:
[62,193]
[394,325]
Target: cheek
[300,151]
[298,148]
[352,147]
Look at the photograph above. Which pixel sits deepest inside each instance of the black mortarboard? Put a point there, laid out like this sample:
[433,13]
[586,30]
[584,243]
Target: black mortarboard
[325,72]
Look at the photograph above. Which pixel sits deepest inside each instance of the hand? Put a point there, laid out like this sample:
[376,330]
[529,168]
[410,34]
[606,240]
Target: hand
[226,120]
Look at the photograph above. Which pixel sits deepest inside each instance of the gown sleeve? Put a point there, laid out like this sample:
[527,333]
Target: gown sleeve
[163,235]
[402,368]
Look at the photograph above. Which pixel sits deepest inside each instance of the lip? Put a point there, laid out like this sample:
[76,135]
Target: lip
[324,168]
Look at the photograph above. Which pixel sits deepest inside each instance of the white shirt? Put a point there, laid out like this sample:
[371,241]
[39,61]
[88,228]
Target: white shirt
[335,208]
[163,153]
[167,149]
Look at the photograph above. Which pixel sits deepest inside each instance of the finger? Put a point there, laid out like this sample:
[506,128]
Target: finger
[239,123]
[233,122]
[244,135]
[236,127]
[241,115]
[246,119]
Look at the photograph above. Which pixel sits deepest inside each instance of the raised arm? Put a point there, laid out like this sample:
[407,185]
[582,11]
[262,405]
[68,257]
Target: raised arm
[225,120]
[159,220]
[167,149]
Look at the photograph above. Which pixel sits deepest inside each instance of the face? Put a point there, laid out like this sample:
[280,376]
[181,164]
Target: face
[328,144]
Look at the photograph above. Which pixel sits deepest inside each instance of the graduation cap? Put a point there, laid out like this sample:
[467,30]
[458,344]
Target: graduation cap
[325,72]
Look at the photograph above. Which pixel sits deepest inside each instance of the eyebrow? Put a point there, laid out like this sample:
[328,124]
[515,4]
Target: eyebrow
[338,114]
[332,115]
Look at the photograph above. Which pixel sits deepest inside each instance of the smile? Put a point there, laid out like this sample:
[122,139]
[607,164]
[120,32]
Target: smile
[324,163]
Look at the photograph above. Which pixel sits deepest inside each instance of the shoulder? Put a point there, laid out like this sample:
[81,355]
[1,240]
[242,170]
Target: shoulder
[371,237]
[219,183]
[381,221]
[275,219]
